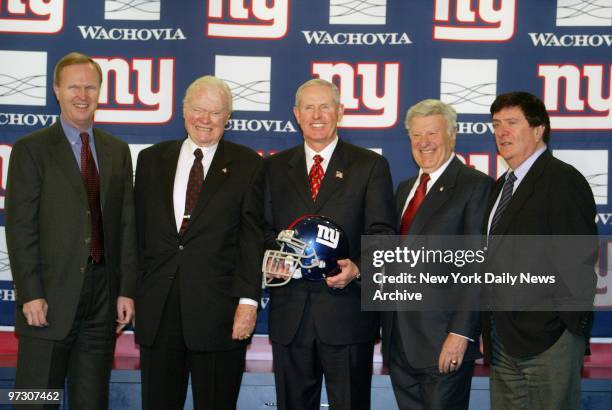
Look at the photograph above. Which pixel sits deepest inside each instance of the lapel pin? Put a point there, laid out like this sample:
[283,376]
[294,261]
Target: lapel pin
[441,189]
[224,170]
[339,174]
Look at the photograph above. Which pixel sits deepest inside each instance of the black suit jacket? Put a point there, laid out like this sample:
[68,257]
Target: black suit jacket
[357,194]
[48,227]
[216,261]
[553,199]
[454,205]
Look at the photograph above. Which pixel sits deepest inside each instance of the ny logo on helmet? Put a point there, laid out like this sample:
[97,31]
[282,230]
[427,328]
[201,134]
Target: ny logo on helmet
[328,236]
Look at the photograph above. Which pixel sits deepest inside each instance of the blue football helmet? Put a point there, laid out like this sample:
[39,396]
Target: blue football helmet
[309,249]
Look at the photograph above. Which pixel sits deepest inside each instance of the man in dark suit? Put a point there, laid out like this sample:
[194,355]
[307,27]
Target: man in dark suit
[317,328]
[536,356]
[431,354]
[71,240]
[199,212]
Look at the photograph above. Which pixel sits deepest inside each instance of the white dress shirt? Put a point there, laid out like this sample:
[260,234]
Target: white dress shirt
[326,154]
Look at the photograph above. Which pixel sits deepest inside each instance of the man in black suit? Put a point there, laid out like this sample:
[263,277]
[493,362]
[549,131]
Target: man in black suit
[71,239]
[536,356]
[199,212]
[317,328]
[431,354]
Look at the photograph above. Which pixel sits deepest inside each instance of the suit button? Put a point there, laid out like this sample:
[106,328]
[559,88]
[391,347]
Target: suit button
[171,276]
[181,247]
[82,269]
[87,240]
[88,212]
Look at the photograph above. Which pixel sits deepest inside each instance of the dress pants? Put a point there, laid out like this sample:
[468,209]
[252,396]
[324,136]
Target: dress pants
[427,389]
[299,368]
[547,381]
[84,357]
[165,367]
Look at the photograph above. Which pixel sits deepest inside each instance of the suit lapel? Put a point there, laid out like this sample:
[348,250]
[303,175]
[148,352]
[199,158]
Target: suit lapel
[439,193]
[220,170]
[105,164]
[168,171]
[64,157]
[522,193]
[299,177]
[335,175]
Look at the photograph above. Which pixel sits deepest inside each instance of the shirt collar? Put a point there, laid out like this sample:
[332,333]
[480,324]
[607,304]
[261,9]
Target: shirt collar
[326,152]
[522,169]
[73,134]
[192,146]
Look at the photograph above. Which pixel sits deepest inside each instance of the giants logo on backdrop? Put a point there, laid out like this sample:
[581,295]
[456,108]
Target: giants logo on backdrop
[5,154]
[578,97]
[469,86]
[234,19]
[490,20]
[603,294]
[130,92]
[31,16]
[491,164]
[357,11]
[369,91]
[132,9]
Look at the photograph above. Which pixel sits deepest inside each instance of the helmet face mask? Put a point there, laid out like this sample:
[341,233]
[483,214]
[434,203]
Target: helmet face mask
[309,249]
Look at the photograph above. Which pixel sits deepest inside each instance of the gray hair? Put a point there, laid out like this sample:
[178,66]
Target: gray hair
[318,81]
[433,107]
[212,82]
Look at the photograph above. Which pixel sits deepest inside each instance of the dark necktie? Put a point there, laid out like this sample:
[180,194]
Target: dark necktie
[316,177]
[194,186]
[89,173]
[504,200]
[414,204]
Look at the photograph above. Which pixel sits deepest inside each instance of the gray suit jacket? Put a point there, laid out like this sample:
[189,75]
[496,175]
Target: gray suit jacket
[48,228]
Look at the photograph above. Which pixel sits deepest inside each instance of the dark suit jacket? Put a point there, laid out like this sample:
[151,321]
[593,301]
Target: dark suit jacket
[457,209]
[218,258]
[48,227]
[357,194]
[553,199]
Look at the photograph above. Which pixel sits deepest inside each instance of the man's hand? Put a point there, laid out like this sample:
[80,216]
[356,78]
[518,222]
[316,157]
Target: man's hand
[451,356]
[348,272]
[244,321]
[125,312]
[35,312]
[277,268]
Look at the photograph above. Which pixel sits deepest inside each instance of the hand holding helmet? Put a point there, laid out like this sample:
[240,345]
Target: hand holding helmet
[310,249]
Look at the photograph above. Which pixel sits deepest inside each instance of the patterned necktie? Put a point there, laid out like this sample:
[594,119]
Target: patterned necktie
[414,204]
[504,200]
[91,180]
[194,186]
[316,176]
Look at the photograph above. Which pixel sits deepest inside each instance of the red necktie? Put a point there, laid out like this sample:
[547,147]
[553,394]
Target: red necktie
[414,204]
[89,173]
[316,176]
[194,186]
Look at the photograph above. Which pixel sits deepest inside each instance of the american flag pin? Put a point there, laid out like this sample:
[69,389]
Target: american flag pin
[339,174]
[224,170]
